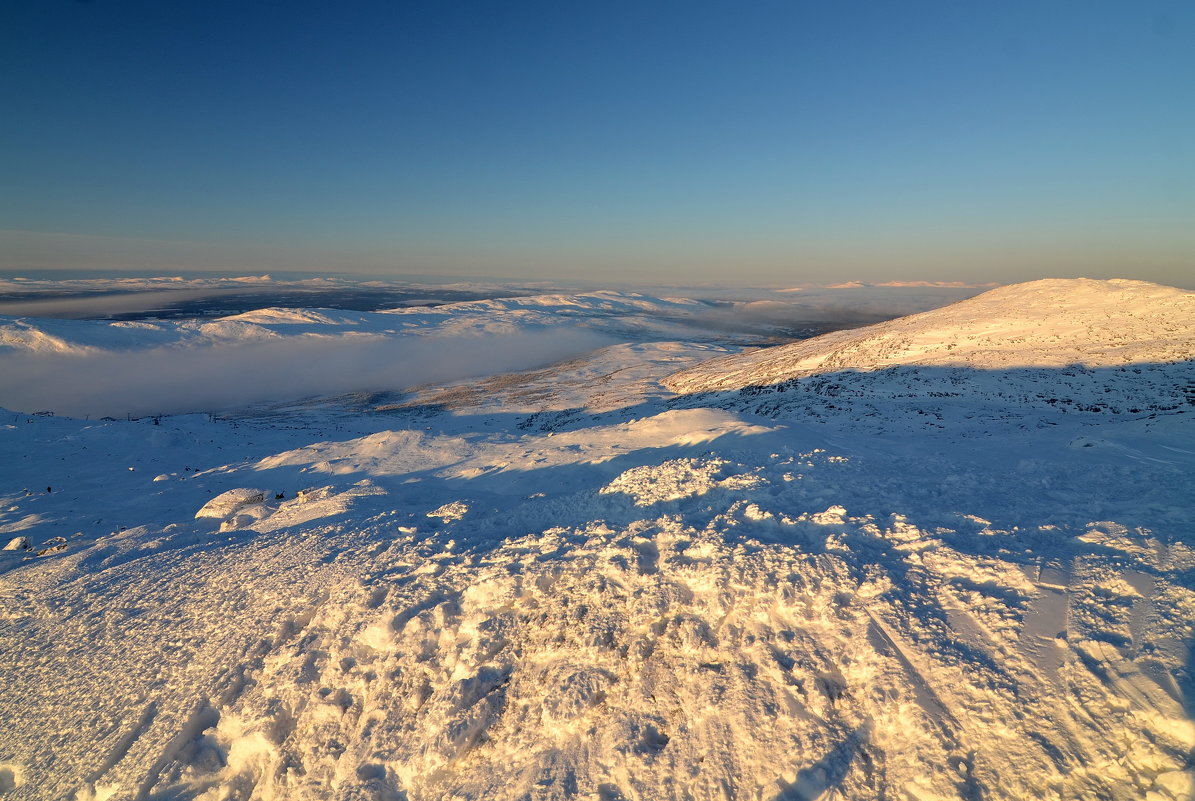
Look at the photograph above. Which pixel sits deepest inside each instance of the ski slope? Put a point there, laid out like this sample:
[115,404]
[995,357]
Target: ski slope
[633,573]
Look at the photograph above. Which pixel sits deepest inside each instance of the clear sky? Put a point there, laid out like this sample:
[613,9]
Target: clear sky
[778,143]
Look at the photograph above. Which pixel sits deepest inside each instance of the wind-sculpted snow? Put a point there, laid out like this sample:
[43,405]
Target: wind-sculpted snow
[687,627]
[537,593]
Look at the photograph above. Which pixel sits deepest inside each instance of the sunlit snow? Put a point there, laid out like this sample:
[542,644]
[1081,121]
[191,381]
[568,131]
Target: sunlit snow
[610,552]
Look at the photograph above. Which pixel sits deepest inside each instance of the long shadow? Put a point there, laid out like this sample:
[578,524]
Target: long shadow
[925,436]
[827,772]
[1118,390]
[931,459]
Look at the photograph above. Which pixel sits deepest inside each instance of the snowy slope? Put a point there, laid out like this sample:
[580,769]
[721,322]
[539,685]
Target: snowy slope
[1047,323]
[1045,347]
[560,584]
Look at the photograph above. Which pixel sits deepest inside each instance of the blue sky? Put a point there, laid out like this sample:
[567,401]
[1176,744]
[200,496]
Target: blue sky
[660,141]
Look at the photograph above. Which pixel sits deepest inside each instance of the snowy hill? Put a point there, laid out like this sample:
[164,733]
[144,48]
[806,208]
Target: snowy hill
[1048,323]
[552,578]
[1052,345]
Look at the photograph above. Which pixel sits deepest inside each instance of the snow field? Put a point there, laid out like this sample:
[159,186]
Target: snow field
[730,645]
[538,591]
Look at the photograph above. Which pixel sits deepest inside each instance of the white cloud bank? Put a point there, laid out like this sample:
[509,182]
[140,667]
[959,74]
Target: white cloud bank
[214,377]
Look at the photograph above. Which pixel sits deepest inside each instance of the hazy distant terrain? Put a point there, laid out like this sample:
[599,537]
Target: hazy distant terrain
[219,304]
[82,296]
[603,544]
[98,299]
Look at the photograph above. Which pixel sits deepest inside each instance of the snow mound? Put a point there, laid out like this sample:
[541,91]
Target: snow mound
[677,479]
[282,316]
[229,503]
[1051,323]
[261,511]
[311,504]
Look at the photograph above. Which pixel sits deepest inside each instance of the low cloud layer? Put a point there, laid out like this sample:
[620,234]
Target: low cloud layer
[176,380]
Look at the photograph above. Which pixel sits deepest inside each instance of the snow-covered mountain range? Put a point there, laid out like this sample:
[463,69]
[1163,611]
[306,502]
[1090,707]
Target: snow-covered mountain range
[607,548]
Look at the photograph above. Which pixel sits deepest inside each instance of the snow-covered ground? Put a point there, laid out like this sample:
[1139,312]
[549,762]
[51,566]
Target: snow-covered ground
[945,557]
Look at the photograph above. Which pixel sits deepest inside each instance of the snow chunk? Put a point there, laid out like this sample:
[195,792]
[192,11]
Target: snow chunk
[17,544]
[1177,783]
[450,512]
[834,516]
[100,792]
[10,777]
[1117,537]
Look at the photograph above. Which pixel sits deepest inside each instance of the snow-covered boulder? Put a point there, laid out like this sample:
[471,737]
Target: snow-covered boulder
[229,503]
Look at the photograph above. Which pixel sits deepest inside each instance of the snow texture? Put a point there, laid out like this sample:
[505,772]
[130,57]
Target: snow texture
[919,579]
